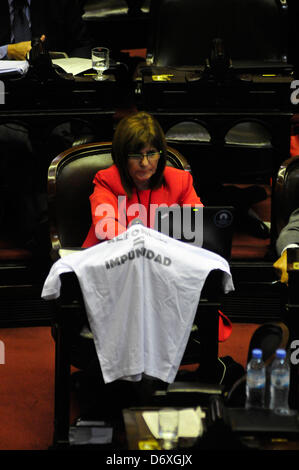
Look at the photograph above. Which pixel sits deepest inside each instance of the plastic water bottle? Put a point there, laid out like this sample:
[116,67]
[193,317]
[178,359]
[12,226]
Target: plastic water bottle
[255,381]
[280,383]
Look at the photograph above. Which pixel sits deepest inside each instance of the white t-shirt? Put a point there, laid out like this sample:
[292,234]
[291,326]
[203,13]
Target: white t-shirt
[141,291]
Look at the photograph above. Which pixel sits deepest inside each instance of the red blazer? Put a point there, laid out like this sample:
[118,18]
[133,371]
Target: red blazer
[112,211]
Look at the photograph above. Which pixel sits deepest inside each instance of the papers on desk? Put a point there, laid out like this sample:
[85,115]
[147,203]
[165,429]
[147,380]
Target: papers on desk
[73,65]
[190,422]
[14,66]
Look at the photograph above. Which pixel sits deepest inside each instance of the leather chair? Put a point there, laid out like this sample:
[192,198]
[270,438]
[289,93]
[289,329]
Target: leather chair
[242,149]
[70,179]
[182,31]
[286,193]
[118,24]
[99,9]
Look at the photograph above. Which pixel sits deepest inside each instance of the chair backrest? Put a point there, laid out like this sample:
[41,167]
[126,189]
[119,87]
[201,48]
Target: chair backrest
[269,337]
[286,195]
[70,183]
[242,148]
[182,31]
[105,9]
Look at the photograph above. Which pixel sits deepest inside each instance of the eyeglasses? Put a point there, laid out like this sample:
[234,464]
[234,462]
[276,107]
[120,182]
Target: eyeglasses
[151,156]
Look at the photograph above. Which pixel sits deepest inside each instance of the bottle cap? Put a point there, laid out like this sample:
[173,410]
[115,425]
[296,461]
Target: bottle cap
[280,353]
[257,353]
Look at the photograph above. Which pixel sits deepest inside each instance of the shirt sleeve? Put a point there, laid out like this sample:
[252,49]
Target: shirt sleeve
[3,52]
[289,234]
[52,284]
[291,245]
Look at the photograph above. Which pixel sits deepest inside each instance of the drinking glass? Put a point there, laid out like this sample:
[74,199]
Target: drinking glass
[100,61]
[168,419]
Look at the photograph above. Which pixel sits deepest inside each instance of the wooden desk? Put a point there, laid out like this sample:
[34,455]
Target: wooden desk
[137,430]
[217,439]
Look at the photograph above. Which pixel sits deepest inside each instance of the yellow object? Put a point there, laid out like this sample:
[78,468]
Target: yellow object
[149,444]
[162,78]
[280,266]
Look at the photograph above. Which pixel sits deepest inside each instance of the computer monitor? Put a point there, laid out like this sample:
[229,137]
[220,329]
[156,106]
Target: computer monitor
[209,227]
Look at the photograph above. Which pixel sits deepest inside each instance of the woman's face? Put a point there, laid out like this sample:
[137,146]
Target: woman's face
[143,165]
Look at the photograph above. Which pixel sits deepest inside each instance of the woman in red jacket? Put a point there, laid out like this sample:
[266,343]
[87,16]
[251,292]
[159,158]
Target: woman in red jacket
[138,182]
[131,189]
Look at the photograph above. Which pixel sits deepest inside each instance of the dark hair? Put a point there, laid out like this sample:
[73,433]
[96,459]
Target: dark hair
[132,133]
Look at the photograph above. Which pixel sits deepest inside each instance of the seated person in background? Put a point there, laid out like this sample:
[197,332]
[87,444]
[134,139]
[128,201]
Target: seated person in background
[288,238]
[58,22]
[138,180]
